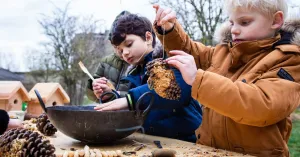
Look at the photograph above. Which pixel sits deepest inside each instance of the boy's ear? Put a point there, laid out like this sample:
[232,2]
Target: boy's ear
[278,20]
[149,37]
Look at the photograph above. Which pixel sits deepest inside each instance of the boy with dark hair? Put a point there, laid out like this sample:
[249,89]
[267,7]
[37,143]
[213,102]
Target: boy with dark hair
[112,68]
[133,37]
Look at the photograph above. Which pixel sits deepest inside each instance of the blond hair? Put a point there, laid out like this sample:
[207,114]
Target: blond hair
[266,7]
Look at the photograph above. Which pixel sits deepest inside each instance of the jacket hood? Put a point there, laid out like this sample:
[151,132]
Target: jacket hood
[290,29]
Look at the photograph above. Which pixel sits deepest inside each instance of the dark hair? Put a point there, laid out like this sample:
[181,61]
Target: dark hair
[131,24]
[117,17]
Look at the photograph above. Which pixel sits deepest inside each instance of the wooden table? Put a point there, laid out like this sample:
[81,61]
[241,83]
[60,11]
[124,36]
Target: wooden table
[63,143]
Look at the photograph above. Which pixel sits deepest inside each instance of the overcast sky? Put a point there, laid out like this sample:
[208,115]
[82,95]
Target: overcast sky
[20,31]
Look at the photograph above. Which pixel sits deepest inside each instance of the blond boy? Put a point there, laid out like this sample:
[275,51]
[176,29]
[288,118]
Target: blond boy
[249,83]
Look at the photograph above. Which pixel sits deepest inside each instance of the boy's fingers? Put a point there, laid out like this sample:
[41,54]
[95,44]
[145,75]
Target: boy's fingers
[94,83]
[165,12]
[96,88]
[158,15]
[181,59]
[176,64]
[99,107]
[109,108]
[167,16]
[104,86]
[103,79]
[156,7]
[173,15]
[100,80]
[99,92]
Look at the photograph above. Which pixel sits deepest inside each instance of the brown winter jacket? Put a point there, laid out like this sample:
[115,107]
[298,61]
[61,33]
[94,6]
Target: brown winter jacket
[248,90]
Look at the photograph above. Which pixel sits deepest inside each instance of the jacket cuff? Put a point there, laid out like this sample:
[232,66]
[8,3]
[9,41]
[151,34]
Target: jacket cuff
[4,120]
[173,34]
[161,31]
[130,101]
[197,83]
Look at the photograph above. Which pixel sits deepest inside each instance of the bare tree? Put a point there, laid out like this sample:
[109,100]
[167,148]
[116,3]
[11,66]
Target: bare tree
[293,8]
[199,18]
[7,61]
[70,41]
[39,63]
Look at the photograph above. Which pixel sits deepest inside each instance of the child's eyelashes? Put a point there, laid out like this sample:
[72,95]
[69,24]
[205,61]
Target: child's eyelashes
[245,23]
[125,45]
[241,23]
[129,45]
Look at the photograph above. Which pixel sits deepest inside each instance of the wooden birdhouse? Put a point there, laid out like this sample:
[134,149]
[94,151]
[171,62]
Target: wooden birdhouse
[52,94]
[12,95]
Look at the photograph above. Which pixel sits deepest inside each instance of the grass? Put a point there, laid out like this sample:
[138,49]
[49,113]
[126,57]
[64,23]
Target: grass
[297,111]
[294,141]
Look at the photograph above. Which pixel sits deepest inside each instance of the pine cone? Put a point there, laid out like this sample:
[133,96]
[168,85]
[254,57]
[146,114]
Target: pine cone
[30,124]
[45,126]
[162,79]
[25,143]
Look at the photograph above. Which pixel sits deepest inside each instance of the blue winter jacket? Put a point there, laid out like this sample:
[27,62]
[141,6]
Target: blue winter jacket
[169,118]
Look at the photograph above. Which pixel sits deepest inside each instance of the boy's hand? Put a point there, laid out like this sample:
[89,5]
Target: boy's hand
[14,123]
[165,17]
[117,104]
[183,61]
[100,86]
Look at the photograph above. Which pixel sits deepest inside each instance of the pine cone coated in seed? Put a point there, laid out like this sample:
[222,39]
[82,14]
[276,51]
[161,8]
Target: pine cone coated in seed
[162,79]
[45,126]
[25,143]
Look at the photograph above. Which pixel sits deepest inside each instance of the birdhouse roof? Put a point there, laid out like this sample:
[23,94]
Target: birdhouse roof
[10,88]
[47,90]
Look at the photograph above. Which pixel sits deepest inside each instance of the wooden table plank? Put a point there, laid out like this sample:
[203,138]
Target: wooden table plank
[182,148]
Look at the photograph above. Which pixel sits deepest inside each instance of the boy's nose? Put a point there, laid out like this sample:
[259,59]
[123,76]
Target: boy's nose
[235,30]
[126,51]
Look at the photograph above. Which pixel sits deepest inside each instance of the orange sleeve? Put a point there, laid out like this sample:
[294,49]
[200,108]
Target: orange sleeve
[265,102]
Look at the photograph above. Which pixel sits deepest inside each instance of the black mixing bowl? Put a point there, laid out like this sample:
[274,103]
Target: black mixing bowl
[87,125]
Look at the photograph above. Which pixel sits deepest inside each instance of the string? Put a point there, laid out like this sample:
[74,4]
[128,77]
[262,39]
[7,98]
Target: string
[142,56]
[163,38]
[164,34]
